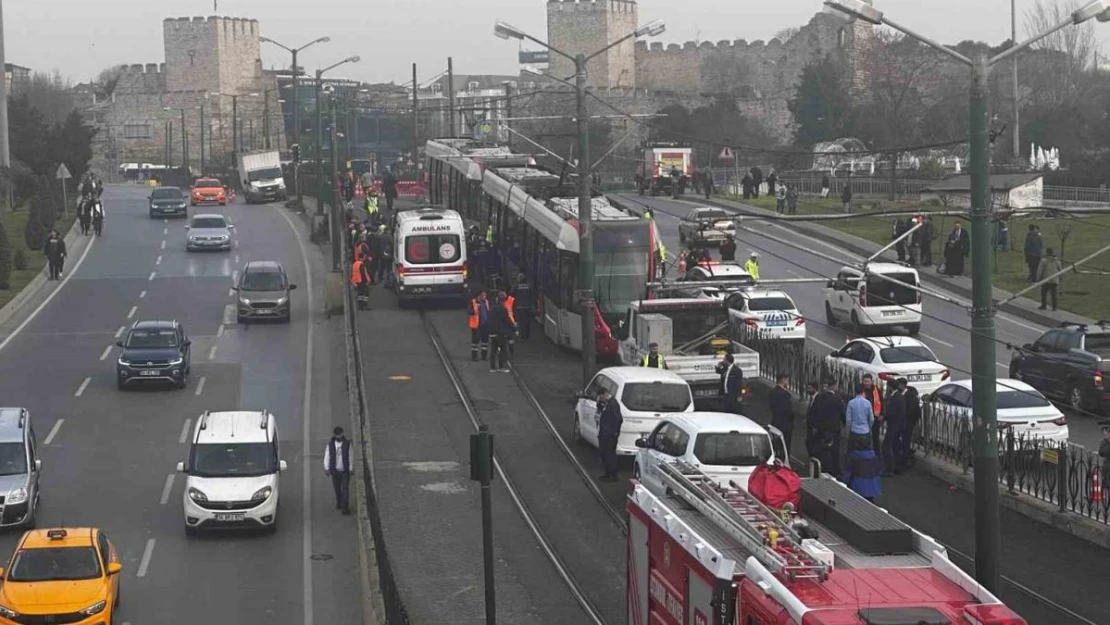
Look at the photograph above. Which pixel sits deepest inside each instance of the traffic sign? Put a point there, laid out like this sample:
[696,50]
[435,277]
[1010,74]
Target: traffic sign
[725,155]
[63,173]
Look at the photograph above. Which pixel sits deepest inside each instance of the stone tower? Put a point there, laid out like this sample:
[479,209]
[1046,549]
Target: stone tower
[586,26]
[214,54]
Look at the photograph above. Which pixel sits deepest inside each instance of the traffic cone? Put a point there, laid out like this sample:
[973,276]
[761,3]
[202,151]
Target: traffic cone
[1096,486]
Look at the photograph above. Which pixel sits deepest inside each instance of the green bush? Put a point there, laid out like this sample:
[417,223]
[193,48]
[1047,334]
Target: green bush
[34,235]
[44,206]
[5,258]
[20,259]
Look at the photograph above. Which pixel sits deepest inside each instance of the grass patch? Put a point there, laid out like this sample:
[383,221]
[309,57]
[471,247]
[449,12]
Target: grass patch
[15,222]
[1084,293]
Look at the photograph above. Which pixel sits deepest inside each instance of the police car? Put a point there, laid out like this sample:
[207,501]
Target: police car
[772,314]
[731,276]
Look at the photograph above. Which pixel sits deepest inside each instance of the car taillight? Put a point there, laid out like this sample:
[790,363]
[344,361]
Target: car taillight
[919,297]
[1098,380]
[1061,421]
[751,323]
[401,271]
[863,295]
[800,322]
[944,375]
[466,270]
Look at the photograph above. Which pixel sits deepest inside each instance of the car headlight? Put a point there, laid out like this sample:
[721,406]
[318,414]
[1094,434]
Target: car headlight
[196,495]
[262,494]
[95,608]
[224,237]
[281,301]
[8,612]
[123,361]
[244,301]
[18,495]
[177,361]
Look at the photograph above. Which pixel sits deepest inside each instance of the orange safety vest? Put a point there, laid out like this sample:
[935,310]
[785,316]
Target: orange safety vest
[510,301]
[356,272]
[475,318]
[876,400]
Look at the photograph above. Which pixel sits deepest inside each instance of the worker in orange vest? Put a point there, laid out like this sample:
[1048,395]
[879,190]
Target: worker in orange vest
[477,316]
[360,279]
[510,302]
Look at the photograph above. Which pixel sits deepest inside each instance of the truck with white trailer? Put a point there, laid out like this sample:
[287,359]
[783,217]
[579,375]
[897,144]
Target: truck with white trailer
[261,177]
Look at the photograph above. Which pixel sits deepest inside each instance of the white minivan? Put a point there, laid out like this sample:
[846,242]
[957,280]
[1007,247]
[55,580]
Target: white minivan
[644,395]
[886,296]
[429,255]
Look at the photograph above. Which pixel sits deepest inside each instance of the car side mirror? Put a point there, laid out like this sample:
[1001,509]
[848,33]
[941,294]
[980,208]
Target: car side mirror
[119,343]
[234,288]
[282,465]
[230,226]
[180,467]
[1030,346]
[188,342]
[641,443]
[292,286]
[38,464]
[834,353]
[114,568]
[186,226]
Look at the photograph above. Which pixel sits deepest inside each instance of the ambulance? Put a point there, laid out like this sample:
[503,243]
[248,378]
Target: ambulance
[429,255]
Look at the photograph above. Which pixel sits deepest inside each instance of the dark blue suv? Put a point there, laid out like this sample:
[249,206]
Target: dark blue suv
[154,351]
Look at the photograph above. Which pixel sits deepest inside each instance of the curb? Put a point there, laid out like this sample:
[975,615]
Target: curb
[37,284]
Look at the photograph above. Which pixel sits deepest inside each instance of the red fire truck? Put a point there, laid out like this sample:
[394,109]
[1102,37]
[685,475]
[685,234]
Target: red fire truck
[702,554]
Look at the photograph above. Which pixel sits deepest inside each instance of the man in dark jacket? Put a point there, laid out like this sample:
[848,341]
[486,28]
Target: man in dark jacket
[913,415]
[389,189]
[374,243]
[928,235]
[897,424]
[782,408]
[55,251]
[609,421]
[824,422]
[522,306]
[732,384]
[501,327]
[728,249]
[899,229]
[1034,248]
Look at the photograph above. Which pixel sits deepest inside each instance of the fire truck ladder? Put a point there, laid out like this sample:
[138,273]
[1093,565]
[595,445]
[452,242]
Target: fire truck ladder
[759,529]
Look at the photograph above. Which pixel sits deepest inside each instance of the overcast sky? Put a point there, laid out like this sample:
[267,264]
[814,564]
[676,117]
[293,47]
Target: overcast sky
[88,36]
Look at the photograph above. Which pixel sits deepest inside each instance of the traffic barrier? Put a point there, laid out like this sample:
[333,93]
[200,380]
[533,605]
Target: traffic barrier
[407,189]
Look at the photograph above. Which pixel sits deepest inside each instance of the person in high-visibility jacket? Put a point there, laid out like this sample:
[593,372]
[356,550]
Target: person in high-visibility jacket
[371,204]
[653,359]
[510,303]
[360,279]
[477,316]
[752,266]
[489,234]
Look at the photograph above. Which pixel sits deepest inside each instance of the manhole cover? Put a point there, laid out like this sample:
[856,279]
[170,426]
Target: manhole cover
[485,404]
[320,556]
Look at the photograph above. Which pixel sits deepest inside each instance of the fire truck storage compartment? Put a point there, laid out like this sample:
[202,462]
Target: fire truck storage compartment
[655,328]
[860,523]
[903,616]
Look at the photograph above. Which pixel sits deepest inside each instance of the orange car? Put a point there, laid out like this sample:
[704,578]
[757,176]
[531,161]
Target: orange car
[61,576]
[207,190]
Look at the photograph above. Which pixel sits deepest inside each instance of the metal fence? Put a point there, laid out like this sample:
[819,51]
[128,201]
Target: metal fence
[862,185]
[395,612]
[1089,195]
[1069,476]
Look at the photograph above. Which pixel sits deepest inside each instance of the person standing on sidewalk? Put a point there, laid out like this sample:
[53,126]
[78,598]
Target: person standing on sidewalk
[609,421]
[780,199]
[874,396]
[1049,266]
[861,420]
[782,408]
[55,251]
[478,321]
[824,422]
[1034,247]
[792,200]
[522,304]
[337,466]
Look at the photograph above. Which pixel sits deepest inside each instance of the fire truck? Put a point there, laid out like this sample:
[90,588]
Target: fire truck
[706,554]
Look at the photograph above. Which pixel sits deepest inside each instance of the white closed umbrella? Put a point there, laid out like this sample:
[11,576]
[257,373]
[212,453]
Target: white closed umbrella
[1032,154]
[958,165]
[872,167]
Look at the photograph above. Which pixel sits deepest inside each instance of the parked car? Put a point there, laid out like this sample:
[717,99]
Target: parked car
[644,395]
[706,226]
[1021,409]
[1069,363]
[771,314]
[726,447]
[887,358]
[887,296]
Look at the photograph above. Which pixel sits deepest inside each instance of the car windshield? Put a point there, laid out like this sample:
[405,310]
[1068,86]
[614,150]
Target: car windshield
[263,281]
[208,184]
[907,353]
[732,449]
[271,173]
[13,459]
[1098,344]
[656,397]
[166,193]
[55,564]
[209,222]
[1013,400]
[233,460]
[759,304]
[688,325]
[152,339]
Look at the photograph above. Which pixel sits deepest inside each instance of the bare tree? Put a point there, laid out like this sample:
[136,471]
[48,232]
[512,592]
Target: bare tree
[1063,60]
[787,34]
[51,95]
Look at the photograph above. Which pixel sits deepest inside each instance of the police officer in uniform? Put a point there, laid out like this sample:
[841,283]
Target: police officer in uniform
[608,430]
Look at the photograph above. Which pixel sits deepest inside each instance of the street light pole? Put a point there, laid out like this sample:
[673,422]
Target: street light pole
[202,121]
[1017,113]
[585,220]
[234,129]
[335,211]
[5,147]
[184,145]
[319,148]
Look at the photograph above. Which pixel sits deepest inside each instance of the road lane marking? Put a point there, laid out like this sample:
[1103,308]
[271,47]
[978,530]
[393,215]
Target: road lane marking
[184,431]
[144,564]
[212,352]
[220,331]
[167,489]
[230,292]
[229,313]
[158,261]
[152,274]
[165,230]
[936,340]
[53,431]
[1018,323]
[165,220]
[142,295]
[107,350]
[794,273]
[163,244]
[200,386]
[49,298]
[120,332]
[236,259]
[81,389]
[131,313]
[235,276]
[822,343]
[306,436]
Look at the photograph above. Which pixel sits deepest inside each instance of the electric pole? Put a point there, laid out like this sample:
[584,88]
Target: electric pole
[415,120]
[202,138]
[5,147]
[451,96]
[585,220]
[508,113]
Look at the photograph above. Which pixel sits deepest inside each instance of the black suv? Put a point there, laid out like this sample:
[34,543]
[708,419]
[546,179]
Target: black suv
[154,351]
[1068,363]
[168,202]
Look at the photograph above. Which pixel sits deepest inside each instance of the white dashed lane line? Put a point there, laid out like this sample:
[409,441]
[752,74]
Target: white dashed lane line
[142,295]
[163,245]
[165,230]
[167,489]
[236,259]
[107,351]
[120,332]
[220,332]
[144,564]
[936,340]
[230,292]
[159,260]
[235,275]
[212,352]
[81,389]
[53,431]
[132,312]
[200,386]
[152,274]
[184,431]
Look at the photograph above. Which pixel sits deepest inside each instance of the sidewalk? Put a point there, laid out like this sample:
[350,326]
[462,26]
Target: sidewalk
[1022,307]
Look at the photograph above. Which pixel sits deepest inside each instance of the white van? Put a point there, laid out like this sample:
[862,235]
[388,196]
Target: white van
[429,254]
[871,302]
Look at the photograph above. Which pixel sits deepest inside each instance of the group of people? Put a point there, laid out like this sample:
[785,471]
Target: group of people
[917,249]
[1044,266]
[348,181]
[371,255]
[495,318]
[90,210]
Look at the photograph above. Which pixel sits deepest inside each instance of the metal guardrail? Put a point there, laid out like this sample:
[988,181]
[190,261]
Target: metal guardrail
[1070,476]
[1091,195]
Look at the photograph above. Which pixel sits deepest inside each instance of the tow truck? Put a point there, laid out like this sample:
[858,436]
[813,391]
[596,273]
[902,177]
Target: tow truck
[708,554]
[693,336]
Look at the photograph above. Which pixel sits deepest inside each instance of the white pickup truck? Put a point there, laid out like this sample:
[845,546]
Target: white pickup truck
[693,336]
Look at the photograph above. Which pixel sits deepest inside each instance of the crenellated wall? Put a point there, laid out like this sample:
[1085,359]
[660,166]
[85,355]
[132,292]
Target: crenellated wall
[217,53]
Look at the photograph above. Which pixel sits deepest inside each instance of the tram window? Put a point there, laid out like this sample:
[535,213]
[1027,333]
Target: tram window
[548,269]
[568,274]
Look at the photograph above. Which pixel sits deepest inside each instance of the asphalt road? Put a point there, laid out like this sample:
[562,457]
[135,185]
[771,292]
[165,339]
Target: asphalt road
[109,456]
[945,328]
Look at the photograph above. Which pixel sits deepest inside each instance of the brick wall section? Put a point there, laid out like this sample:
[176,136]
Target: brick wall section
[587,26]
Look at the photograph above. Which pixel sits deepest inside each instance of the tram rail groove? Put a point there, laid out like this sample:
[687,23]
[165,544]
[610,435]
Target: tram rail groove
[561,568]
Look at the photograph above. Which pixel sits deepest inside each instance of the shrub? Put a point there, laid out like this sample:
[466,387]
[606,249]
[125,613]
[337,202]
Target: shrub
[34,235]
[5,258]
[44,206]
[20,259]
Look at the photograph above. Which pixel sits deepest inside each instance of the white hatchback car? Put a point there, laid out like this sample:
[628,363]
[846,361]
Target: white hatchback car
[772,314]
[873,301]
[644,395]
[232,472]
[890,357]
[1021,408]
[726,447]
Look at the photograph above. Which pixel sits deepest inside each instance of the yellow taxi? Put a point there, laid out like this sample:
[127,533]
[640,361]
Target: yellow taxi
[209,190]
[61,576]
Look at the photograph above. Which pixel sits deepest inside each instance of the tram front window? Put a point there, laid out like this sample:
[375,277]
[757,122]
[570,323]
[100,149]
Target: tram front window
[620,278]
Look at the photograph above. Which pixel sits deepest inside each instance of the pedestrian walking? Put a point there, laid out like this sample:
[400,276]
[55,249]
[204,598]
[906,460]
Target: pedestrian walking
[1050,283]
[477,321]
[846,196]
[862,470]
[897,424]
[367,182]
[55,251]
[337,466]
[609,421]
[748,186]
[1034,247]
[792,200]
[782,408]
[732,384]
[360,279]
[389,189]
[707,183]
[728,249]
[523,306]
[825,186]
[780,198]
[84,214]
[500,328]
[824,422]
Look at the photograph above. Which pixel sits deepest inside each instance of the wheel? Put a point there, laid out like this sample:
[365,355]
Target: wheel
[1075,397]
[184,383]
[636,472]
[857,329]
[914,329]
[830,318]
[288,317]
[116,601]
[576,431]
[190,530]
[152,215]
